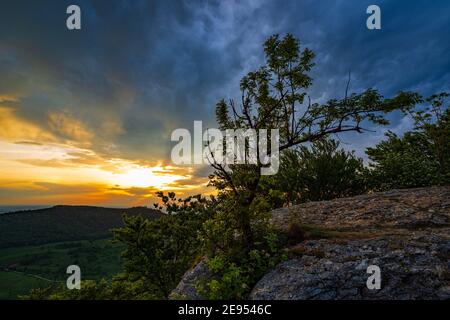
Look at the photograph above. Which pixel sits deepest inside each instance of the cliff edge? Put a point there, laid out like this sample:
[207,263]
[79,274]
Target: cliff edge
[406,233]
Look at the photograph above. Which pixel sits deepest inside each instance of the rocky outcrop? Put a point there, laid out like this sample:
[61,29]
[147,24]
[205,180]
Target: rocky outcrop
[406,233]
[404,209]
[186,289]
[414,267]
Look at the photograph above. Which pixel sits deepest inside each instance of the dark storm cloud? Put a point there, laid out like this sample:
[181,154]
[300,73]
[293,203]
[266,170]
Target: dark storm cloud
[139,69]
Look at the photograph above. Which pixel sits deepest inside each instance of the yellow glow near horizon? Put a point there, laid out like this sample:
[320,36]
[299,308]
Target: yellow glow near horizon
[63,174]
[57,163]
[144,177]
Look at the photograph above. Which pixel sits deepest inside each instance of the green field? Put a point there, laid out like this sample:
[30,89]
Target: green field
[21,266]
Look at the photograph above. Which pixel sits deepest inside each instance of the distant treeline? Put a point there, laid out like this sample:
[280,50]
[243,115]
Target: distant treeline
[64,223]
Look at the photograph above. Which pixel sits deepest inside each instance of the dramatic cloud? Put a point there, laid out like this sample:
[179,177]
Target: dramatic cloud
[115,90]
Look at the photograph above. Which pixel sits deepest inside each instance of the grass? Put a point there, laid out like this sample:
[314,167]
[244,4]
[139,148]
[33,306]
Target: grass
[97,259]
[14,284]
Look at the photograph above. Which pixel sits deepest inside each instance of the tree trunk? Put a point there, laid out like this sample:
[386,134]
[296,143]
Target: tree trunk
[246,228]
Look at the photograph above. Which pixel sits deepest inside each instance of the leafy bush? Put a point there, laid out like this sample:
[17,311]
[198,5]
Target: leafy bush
[159,252]
[235,274]
[421,157]
[119,288]
[320,172]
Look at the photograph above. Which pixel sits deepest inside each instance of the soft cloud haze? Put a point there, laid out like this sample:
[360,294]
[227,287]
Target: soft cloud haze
[86,116]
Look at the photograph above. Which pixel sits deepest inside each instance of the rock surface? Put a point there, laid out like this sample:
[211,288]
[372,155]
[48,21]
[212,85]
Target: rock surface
[416,267]
[406,233]
[406,208]
[186,290]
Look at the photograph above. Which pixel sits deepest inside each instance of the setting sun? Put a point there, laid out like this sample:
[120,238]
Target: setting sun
[144,177]
[49,173]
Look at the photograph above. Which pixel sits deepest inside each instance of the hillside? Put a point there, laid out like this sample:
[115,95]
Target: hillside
[330,244]
[63,223]
[30,267]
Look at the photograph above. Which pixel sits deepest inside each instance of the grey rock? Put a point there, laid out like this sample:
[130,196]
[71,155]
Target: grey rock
[407,273]
[406,208]
[186,289]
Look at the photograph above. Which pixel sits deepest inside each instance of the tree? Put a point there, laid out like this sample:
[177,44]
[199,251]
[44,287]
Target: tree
[320,172]
[422,156]
[160,251]
[434,122]
[275,97]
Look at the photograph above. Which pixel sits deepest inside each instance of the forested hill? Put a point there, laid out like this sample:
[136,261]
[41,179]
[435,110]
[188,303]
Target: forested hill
[63,223]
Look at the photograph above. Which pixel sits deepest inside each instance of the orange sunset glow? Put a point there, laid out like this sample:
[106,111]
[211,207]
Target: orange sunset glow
[37,166]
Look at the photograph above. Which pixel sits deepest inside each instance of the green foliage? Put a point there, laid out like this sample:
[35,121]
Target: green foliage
[119,288]
[235,274]
[236,268]
[320,172]
[159,252]
[421,157]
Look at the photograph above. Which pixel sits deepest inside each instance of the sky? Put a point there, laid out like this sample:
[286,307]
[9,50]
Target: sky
[86,115]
